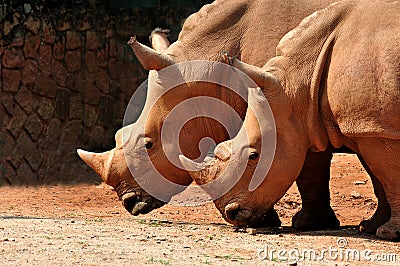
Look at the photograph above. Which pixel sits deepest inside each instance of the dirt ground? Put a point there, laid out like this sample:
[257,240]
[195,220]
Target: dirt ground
[85,224]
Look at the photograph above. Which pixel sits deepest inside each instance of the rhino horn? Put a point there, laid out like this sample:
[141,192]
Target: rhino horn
[262,78]
[198,171]
[148,57]
[97,161]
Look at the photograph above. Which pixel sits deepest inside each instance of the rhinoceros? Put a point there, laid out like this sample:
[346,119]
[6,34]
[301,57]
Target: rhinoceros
[335,78]
[249,29]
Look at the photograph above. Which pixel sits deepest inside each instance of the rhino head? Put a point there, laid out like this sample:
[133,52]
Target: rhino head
[268,169]
[139,150]
[112,165]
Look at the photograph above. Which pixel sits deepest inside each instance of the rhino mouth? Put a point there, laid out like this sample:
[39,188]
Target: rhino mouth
[245,217]
[136,205]
[134,201]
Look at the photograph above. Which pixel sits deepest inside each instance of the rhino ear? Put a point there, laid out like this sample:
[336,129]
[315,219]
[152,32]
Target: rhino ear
[150,58]
[159,39]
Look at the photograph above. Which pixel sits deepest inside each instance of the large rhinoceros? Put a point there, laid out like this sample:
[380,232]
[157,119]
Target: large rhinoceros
[335,78]
[251,30]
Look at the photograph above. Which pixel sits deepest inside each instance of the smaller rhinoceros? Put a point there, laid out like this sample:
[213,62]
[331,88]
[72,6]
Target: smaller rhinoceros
[336,78]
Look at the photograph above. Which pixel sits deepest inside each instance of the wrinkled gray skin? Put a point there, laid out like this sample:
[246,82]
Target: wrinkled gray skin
[250,30]
[327,83]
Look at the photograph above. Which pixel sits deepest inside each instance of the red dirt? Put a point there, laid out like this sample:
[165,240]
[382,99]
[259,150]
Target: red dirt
[352,200]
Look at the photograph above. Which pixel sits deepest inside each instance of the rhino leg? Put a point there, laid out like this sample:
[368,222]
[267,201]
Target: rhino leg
[382,157]
[313,184]
[382,213]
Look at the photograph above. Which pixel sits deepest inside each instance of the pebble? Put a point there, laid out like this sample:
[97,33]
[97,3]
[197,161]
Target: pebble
[359,182]
[251,231]
[355,195]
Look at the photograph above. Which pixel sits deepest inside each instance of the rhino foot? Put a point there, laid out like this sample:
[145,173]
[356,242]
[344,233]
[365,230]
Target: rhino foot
[308,220]
[371,225]
[389,231]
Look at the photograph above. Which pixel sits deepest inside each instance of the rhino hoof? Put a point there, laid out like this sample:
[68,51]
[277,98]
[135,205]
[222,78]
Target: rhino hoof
[316,220]
[389,231]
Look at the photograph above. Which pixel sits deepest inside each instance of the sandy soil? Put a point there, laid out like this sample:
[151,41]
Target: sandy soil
[85,224]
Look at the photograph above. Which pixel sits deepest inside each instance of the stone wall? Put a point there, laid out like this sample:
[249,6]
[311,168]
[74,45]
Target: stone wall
[66,78]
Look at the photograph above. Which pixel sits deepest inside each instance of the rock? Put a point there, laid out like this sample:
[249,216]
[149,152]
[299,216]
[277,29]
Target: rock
[90,60]
[106,111]
[11,80]
[1,47]
[25,145]
[73,60]
[34,126]
[113,68]
[31,47]
[74,40]
[45,109]
[6,145]
[26,100]
[34,159]
[251,231]
[64,22]
[84,23]
[25,175]
[356,195]
[52,135]
[360,182]
[76,106]
[58,49]
[17,36]
[7,101]
[10,24]
[102,56]
[45,86]
[62,103]
[27,8]
[71,133]
[102,81]
[89,116]
[59,73]
[113,48]
[45,57]
[33,25]
[96,138]
[29,73]
[13,58]
[48,31]
[92,40]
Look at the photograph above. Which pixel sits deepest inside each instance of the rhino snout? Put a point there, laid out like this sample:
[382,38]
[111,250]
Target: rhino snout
[239,216]
[136,205]
[236,215]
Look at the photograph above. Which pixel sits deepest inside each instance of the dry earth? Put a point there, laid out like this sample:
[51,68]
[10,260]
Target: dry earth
[84,224]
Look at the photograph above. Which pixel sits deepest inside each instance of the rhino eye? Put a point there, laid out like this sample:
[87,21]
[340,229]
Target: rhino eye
[148,145]
[253,155]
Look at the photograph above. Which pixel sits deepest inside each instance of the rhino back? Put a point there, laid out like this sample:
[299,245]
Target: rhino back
[250,29]
[363,84]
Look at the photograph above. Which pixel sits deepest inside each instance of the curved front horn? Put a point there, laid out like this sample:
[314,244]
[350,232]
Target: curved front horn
[149,58]
[99,162]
